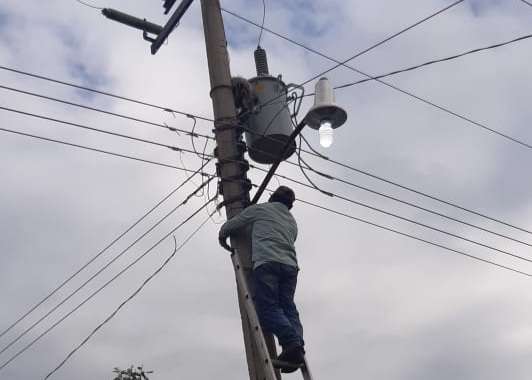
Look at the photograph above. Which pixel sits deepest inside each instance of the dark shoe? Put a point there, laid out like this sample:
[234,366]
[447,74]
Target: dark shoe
[290,369]
[292,354]
[285,367]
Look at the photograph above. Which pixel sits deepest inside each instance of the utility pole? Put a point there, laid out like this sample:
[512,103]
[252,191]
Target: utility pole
[232,168]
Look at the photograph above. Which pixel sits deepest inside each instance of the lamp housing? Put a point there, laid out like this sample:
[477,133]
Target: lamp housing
[324,107]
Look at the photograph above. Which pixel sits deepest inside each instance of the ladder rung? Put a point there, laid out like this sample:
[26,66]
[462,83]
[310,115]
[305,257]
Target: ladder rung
[282,364]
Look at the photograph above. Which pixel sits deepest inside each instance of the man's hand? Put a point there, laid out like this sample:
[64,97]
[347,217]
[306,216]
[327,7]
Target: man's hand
[222,239]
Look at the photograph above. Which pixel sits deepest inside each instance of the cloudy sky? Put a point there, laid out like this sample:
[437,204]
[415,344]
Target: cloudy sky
[418,268]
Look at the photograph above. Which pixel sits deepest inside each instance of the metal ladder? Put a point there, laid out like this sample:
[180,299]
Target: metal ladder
[271,368]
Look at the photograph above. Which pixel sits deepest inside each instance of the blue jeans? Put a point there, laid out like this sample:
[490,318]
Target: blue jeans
[275,286]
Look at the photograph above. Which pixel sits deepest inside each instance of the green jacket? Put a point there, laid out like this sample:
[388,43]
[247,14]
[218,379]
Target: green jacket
[273,232]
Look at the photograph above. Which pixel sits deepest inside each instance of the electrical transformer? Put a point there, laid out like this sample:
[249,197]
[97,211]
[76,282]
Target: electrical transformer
[270,126]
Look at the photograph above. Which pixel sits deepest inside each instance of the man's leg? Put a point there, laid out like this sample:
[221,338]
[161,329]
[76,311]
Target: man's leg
[293,351]
[271,315]
[287,289]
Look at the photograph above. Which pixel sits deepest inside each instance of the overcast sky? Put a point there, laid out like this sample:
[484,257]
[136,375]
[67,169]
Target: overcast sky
[380,297]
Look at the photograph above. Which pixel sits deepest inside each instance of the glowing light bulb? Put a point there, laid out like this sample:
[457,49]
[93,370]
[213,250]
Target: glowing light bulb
[326,133]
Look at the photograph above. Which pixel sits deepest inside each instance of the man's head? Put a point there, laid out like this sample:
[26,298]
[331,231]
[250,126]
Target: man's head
[284,195]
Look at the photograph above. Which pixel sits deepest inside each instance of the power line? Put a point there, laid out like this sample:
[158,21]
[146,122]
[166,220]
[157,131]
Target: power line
[407,219]
[300,161]
[415,238]
[410,221]
[101,252]
[173,129]
[95,149]
[371,77]
[448,59]
[112,279]
[436,61]
[77,125]
[429,227]
[404,234]
[448,111]
[88,5]
[102,269]
[421,224]
[113,314]
[263,18]
[424,194]
[384,41]
[167,109]
[526,2]
[191,133]
[332,178]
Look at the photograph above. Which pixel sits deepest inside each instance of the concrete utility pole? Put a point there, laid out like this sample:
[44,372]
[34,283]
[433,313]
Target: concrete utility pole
[232,171]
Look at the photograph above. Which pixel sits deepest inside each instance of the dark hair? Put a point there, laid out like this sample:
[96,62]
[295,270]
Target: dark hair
[284,195]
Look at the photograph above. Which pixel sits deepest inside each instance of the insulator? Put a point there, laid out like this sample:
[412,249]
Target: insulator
[261,62]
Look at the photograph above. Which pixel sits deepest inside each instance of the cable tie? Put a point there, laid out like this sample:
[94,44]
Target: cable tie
[172,129]
[238,159]
[192,134]
[220,86]
[328,176]
[244,166]
[234,178]
[169,110]
[226,126]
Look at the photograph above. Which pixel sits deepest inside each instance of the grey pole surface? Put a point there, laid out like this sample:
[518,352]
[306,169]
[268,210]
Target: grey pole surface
[234,193]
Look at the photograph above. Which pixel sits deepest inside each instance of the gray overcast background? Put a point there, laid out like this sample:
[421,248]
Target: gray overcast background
[375,304]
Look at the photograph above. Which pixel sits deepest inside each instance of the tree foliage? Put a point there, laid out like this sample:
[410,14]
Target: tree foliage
[131,374]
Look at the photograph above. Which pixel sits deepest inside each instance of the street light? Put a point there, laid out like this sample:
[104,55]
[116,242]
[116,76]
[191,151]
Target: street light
[324,114]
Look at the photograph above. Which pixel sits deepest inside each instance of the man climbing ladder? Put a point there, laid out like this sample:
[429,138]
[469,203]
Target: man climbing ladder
[275,270]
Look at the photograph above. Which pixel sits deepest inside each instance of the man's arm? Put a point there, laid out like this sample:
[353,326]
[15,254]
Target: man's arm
[241,220]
